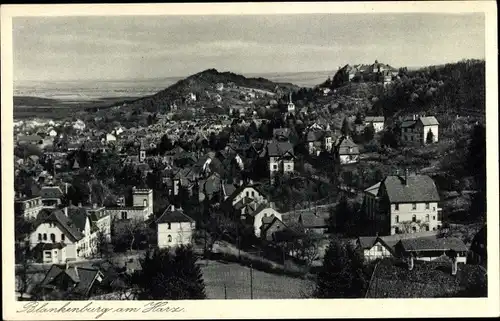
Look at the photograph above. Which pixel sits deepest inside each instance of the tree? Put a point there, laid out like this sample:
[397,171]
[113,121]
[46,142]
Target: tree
[430,137]
[341,275]
[346,127]
[476,160]
[165,144]
[129,234]
[170,276]
[368,133]
[103,246]
[24,277]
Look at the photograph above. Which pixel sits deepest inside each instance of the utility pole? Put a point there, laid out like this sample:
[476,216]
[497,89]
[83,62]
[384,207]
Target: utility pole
[251,282]
[225,292]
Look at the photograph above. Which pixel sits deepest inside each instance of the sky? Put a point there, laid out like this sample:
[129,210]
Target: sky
[142,47]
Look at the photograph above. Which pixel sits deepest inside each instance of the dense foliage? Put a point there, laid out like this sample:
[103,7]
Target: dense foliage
[168,275]
[341,275]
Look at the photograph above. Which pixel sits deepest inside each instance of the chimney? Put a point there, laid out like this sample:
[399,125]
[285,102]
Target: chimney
[172,207]
[410,263]
[66,210]
[272,205]
[79,204]
[94,205]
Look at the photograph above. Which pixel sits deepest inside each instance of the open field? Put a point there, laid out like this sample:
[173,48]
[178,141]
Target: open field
[26,107]
[236,279]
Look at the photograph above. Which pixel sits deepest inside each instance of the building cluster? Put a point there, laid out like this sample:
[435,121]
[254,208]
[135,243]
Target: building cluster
[403,208]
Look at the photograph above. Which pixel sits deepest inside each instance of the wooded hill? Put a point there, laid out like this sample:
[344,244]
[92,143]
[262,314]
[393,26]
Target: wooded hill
[201,83]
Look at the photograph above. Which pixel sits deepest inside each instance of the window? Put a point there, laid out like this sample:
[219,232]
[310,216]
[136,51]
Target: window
[275,167]
[48,254]
[169,226]
[414,218]
[53,237]
[396,219]
[414,206]
[248,194]
[427,206]
[253,193]
[396,207]
[427,218]
[378,248]
[124,215]
[145,203]
[433,217]
[396,230]
[44,237]
[63,237]
[414,229]
[427,228]
[39,236]
[169,238]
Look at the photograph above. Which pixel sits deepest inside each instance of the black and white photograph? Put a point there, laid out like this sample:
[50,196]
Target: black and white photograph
[262,156]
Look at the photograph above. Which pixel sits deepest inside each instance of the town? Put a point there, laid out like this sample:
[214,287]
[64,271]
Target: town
[271,187]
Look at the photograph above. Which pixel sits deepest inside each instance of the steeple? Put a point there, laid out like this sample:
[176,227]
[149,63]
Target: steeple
[142,152]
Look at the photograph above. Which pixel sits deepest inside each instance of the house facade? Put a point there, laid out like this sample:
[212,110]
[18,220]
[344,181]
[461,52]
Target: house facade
[373,248]
[404,204]
[281,158]
[174,228]
[421,130]
[376,121]
[28,207]
[262,212]
[62,236]
[347,151]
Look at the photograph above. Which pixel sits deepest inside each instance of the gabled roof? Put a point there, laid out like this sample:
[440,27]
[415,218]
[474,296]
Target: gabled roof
[408,123]
[429,121]
[262,207]
[279,149]
[419,188]
[175,216]
[30,138]
[84,278]
[315,135]
[78,216]
[366,242]
[51,192]
[66,224]
[311,220]
[347,147]
[374,119]
[373,190]
[433,244]
[87,278]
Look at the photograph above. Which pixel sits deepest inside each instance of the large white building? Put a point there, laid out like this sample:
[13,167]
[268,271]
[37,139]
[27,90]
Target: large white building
[28,207]
[174,228]
[63,235]
[404,204]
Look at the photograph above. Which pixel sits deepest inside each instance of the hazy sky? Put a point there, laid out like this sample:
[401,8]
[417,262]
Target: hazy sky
[78,48]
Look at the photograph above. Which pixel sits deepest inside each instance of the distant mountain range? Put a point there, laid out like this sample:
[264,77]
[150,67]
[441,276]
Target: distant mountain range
[93,89]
